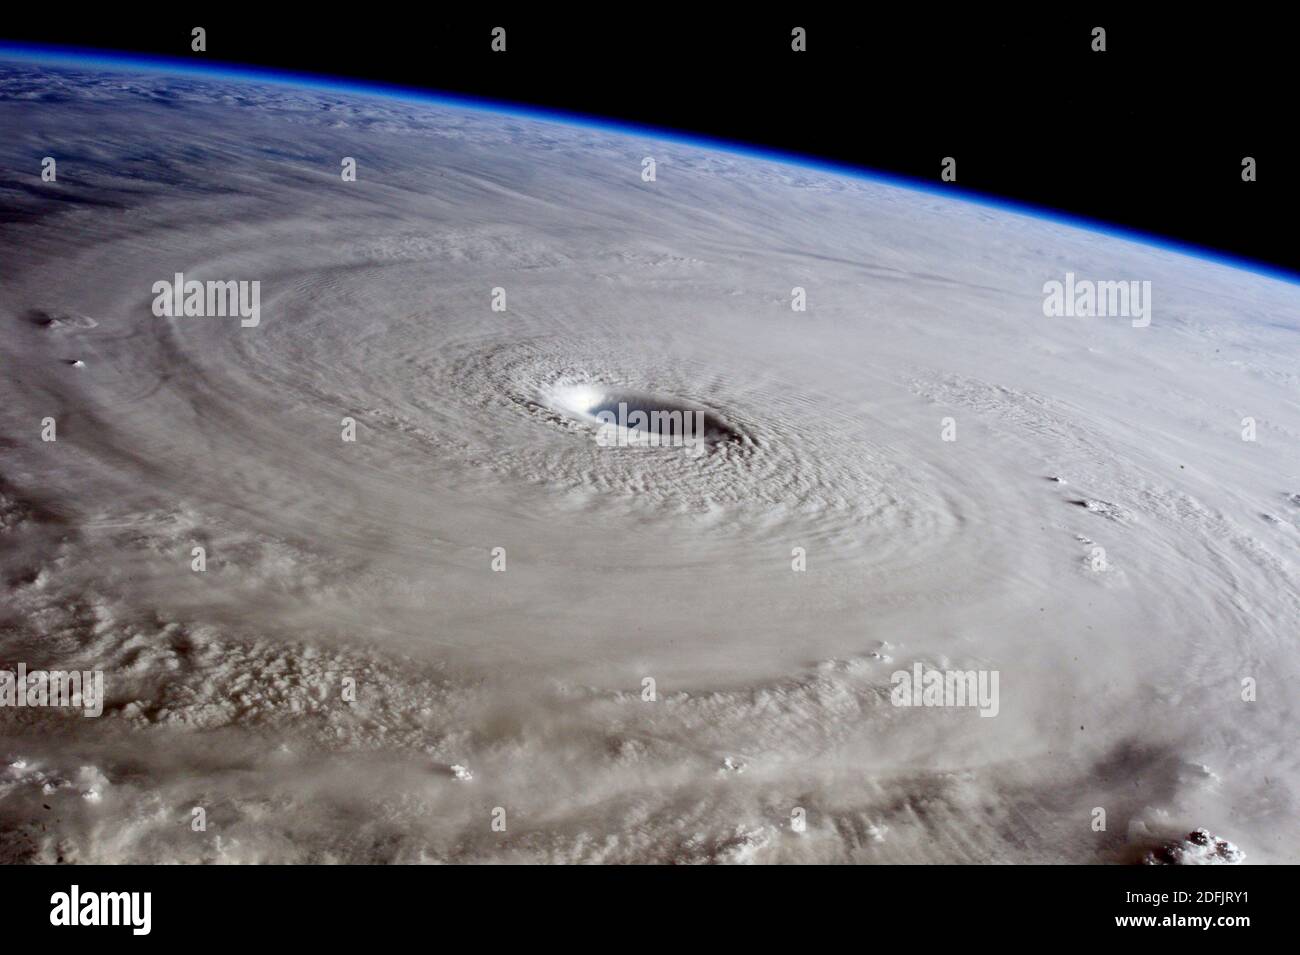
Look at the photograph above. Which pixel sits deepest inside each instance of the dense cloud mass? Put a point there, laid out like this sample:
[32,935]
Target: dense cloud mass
[350,678]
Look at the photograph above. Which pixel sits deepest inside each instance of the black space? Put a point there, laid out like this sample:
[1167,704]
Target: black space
[1149,134]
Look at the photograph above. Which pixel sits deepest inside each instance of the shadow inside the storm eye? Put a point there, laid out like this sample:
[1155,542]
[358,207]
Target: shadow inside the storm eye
[659,417]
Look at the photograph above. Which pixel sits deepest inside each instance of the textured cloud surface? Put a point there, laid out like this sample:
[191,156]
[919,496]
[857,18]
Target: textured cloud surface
[369,563]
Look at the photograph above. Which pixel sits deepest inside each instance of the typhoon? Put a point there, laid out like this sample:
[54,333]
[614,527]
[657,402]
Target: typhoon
[367,581]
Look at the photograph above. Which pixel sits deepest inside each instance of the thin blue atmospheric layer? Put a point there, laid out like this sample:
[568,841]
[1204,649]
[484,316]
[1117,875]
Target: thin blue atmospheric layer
[84,57]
